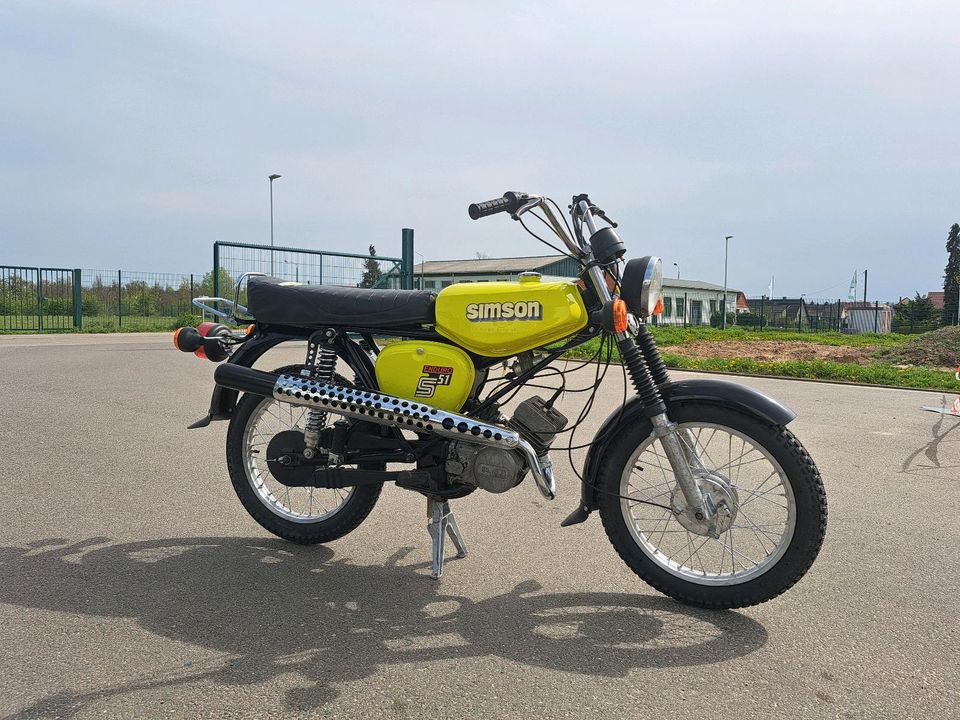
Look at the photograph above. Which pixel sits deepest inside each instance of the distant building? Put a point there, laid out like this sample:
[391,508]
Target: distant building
[685,302]
[861,317]
[936,297]
[781,312]
[437,274]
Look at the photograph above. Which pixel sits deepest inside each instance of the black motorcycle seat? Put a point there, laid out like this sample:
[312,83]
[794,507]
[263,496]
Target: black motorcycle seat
[284,303]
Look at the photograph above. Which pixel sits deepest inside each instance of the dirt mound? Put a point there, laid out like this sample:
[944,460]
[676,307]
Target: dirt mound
[940,348]
[772,350]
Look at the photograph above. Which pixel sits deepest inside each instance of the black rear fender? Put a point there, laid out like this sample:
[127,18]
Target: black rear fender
[224,399]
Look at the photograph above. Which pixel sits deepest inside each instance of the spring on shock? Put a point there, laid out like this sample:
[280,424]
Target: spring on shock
[648,347]
[640,375]
[323,369]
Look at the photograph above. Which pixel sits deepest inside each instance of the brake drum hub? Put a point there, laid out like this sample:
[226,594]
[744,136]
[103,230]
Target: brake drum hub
[719,495]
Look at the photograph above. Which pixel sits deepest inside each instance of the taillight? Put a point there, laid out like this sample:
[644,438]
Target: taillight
[203,341]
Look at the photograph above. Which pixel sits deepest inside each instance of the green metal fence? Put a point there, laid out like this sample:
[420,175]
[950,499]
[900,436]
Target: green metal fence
[131,300]
[314,267]
[36,299]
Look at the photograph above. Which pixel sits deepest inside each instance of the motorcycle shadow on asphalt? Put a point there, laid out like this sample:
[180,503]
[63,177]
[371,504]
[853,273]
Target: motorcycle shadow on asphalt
[275,608]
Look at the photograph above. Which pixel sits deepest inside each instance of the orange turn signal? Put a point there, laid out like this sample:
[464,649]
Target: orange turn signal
[658,308]
[620,323]
[176,338]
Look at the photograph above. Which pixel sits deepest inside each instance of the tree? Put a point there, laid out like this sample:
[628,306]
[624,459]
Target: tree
[371,270]
[951,276]
[225,282]
[481,255]
[917,315]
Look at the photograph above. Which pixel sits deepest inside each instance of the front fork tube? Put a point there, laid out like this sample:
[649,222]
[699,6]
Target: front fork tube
[683,459]
[643,363]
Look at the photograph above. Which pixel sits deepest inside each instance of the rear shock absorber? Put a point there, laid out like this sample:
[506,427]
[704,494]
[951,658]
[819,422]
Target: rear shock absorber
[321,364]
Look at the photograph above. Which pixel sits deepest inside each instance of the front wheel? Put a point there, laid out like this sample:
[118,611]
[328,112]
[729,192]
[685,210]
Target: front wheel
[775,508]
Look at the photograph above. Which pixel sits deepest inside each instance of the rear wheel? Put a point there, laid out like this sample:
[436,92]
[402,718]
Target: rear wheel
[299,514]
[757,471]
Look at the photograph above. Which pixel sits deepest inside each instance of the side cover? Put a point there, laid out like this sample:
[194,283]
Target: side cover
[435,373]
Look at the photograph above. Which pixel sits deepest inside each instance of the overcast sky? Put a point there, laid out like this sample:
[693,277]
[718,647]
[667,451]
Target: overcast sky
[823,136]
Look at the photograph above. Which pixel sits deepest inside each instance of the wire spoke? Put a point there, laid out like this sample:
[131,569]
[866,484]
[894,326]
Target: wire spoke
[747,473]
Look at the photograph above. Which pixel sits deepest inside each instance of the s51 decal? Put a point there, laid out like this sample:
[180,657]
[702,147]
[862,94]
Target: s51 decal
[433,375]
[492,311]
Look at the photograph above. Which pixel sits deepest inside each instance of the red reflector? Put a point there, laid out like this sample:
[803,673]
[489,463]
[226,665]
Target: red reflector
[204,327]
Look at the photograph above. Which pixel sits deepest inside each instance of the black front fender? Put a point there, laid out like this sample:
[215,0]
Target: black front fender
[701,390]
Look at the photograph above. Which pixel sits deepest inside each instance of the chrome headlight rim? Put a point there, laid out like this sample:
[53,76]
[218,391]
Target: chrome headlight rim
[642,285]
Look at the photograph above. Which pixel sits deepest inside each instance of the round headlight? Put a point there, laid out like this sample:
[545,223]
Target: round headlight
[642,285]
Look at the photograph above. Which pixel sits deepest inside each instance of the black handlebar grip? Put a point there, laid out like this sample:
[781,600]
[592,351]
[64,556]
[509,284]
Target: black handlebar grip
[490,207]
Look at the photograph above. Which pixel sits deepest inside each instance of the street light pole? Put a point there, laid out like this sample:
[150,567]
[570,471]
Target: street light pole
[271,178]
[678,270]
[726,253]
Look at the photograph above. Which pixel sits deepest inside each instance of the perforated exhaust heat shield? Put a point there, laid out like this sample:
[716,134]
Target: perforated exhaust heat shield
[409,415]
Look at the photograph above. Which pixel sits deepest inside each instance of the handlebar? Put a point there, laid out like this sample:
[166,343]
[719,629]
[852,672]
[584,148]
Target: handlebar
[510,202]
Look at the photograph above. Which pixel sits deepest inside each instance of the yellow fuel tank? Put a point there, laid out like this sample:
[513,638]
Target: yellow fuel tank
[498,319]
[436,373]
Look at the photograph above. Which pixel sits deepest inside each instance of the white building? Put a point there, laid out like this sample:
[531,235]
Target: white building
[685,302]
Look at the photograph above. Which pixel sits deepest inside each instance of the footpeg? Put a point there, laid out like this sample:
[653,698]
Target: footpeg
[441,524]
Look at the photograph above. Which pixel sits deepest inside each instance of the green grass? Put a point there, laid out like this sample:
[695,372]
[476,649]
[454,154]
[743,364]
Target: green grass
[872,374]
[875,373]
[670,335]
[97,324]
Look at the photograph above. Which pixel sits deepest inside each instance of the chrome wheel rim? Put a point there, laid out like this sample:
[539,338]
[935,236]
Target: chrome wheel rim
[765,514]
[296,504]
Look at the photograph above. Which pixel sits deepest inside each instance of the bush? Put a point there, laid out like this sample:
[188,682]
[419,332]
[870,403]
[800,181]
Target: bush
[185,320]
[57,306]
[749,319]
[716,319]
[91,306]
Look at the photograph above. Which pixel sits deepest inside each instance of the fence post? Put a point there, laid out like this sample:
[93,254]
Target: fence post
[763,302]
[216,269]
[191,291]
[406,259]
[321,269]
[876,316]
[78,299]
[120,298]
[39,300]
[685,309]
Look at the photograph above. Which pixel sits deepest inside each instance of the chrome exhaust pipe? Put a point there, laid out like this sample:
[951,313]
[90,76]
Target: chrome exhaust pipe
[376,407]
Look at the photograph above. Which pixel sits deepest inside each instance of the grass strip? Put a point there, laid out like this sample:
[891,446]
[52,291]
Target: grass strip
[873,374]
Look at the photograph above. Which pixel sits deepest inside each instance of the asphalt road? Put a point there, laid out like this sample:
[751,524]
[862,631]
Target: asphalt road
[132,583]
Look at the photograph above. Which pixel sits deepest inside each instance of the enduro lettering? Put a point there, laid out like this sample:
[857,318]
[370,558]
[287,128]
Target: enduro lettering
[491,312]
[433,375]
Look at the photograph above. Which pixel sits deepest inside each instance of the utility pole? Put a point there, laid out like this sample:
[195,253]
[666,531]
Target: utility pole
[864,286]
[726,252]
[677,266]
[271,178]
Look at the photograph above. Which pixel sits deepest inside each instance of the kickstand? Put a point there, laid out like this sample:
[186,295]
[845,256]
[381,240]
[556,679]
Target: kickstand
[442,523]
